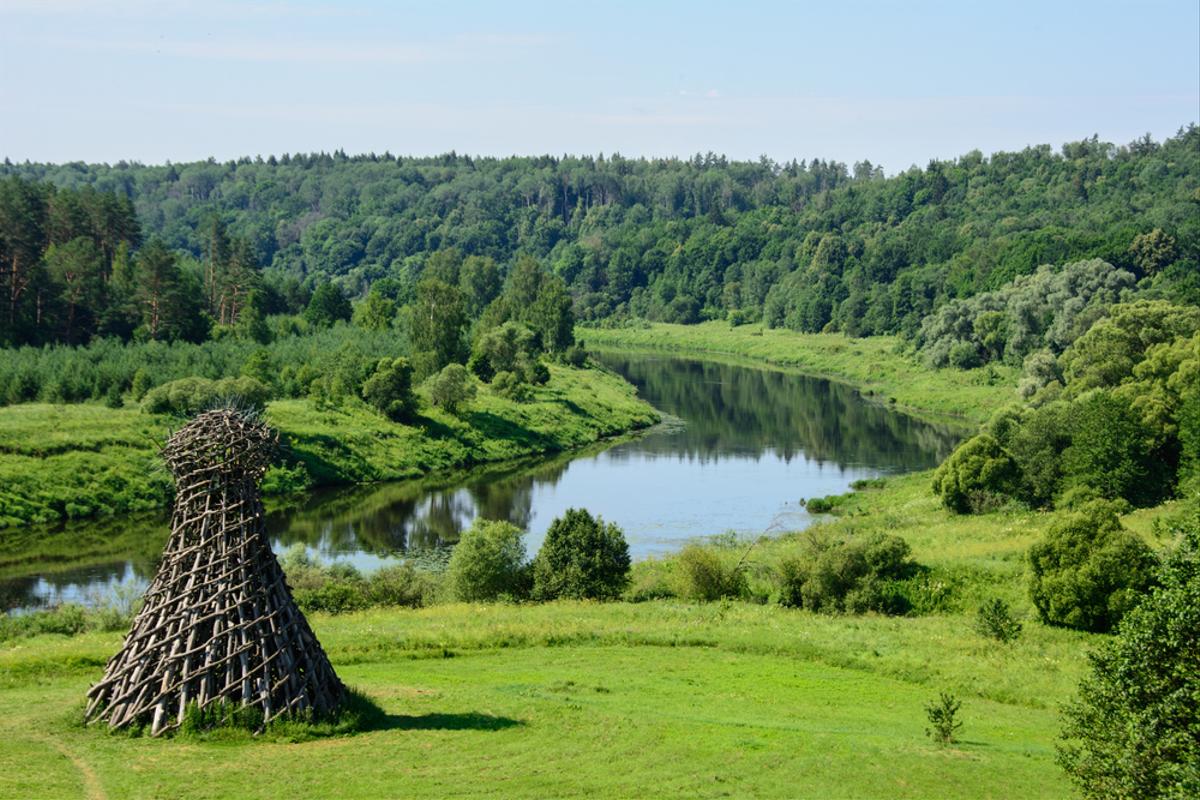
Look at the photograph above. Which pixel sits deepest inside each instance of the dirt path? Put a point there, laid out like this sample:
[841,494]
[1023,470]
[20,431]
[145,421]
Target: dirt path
[92,789]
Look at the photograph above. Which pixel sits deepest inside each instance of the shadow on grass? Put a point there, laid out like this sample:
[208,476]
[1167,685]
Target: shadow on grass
[470,721]
[369,716]
[493,426]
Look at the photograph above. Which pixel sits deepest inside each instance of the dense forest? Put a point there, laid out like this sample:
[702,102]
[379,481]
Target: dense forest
[809,245]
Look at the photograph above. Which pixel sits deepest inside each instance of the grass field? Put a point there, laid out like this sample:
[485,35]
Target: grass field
[873,364]
[74,461]
[575,700]
[664,698]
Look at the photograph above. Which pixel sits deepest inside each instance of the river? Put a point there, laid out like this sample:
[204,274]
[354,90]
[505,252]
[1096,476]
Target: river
[741,447]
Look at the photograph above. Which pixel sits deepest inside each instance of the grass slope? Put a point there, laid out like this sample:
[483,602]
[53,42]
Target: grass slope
[873,364]
[575,700]
[72,461]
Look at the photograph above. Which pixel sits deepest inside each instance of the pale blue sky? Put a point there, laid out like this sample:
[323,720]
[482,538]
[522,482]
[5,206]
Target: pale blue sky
[896,82]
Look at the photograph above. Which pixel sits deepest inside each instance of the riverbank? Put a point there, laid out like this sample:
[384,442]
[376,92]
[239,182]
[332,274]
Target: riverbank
[874,364]
[76,461]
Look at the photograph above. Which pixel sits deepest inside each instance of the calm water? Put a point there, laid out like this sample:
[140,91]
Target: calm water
[745,447]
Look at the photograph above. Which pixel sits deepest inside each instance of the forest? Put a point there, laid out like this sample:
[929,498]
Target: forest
[811,245]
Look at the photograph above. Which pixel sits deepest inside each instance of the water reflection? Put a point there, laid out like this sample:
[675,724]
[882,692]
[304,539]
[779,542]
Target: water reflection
[751,444]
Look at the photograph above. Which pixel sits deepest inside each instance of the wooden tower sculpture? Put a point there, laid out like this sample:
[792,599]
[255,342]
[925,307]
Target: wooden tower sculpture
[219,625]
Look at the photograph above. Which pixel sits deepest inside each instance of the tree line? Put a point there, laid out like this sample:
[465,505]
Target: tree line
[811,245]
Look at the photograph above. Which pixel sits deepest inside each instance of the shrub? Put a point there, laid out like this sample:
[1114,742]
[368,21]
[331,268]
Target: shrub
[704,575]
[964,355]
[576,355]
[979,476]
[389,389]
[452,388]
[848,575]
[1133,730]
[582,558]
[826,505]
[401,585]
[510,386]
[488,563]
[942,723]
[996,621]
[1089,571]
[188,396]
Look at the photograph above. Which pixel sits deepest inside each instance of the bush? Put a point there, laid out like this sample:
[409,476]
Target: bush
[942,723]
[1089,571]
[979,476]
[964,355]
[996,621]
[488,563]
[582,558]
[389,389]
[188,396]
[576,356]
[826,505]
[452,388]
[848,575]
[510,386]
[703,575]
[1134,730]
[401,585]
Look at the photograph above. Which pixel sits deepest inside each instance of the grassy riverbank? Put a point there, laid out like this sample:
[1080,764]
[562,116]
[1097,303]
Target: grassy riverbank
[72,461]
[873,364]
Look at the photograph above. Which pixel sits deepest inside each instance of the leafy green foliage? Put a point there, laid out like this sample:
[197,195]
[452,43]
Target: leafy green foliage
[942,718]
[488,563]
[188,396]
[582,557]
[677,240]
[1110,452]
[1107,354]
[995,621]
[437,325]
[1134,730]
[452,388]
[1089,571]
[339,588]
[327,306]
[847,575]
[703,574]
[1046,310]
[512,386]
[979,476]
[389,389]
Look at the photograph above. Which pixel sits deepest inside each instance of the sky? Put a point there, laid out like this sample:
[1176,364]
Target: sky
[898,83]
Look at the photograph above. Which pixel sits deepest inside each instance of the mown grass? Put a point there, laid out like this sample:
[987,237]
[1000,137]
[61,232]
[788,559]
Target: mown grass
[76,461]
[874,364]
[536,701]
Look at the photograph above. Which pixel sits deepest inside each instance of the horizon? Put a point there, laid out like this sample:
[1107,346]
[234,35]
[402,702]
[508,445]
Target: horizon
[1055,148]
[896,84]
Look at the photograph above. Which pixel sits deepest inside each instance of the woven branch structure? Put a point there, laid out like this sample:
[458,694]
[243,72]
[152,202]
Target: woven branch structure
[219,625]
